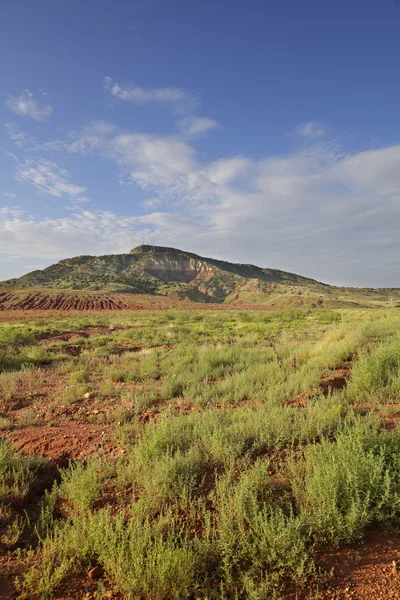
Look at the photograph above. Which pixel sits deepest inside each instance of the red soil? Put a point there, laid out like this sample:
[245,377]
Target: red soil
[336,379]
[62,442]
[39,301]
[13,305]
[369,570]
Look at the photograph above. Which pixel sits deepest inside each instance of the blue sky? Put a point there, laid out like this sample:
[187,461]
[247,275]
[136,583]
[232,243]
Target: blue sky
[259,131]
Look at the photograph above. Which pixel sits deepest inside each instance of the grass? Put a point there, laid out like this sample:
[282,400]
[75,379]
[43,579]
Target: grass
[235,462]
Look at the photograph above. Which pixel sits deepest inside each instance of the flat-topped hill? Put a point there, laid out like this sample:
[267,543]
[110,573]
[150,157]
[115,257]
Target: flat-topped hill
[160,270]
[178,274]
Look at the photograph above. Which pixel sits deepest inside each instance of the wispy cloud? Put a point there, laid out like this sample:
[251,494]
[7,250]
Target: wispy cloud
[90,139]
[196,126]
[312,129]
[140,95]
[146,159]
[17,136]
[152,161]
[46,176]
[26,105]
[9,195]
[26,237]
[181,101]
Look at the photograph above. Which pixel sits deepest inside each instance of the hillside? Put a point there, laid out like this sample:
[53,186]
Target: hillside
[179,275]
[162,271]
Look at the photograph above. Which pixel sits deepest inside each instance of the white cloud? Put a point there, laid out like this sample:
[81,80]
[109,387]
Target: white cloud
[25,238]
[7,212]
[26,105]
[151,202]
[46,176]
[90,139]
[9,195]
[180,100]
[141,95]
[19,137]
[226,170]
[196,126]
[82,232]
[376,170]
[153,160]
[318,211]
[312,212]
[145,159]
[311,129]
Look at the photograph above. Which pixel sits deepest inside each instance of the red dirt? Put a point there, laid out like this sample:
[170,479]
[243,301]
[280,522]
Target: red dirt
[7,589]
[300,401]
[390,416]
[391,422]
[85,588]
[368,570]
[49,338]
[62,442]
[40,301]
[16,305]
[336,379]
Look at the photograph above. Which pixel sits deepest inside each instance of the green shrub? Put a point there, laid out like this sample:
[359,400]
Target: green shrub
[342,487]
[81,376]
[376,373]
[17,472]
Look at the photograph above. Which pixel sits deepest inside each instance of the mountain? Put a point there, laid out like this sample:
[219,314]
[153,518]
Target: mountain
[181,275]
[165,271]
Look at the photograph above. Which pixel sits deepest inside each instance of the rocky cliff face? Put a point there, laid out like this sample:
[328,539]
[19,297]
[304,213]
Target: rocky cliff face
[170,269]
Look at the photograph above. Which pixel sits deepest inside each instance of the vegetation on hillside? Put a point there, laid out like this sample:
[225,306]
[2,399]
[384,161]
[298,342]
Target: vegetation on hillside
[156,270]
[182,275]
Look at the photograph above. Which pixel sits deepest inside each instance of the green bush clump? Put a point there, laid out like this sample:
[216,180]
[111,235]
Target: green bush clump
[81,376]
[12,339]
[342,487]
[376,373]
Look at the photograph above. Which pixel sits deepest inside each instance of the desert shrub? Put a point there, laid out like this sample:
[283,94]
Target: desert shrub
[17,471]
[12,339]
[167,479]
[28,419]
[108,390]
[133,404]
[142,560]
[376,373]
[81,485]
[38,355]
[257,538]
[81,376]
[73,393]
[5,423]
[342,487]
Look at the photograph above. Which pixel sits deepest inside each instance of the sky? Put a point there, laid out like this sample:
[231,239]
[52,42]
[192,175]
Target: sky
[258,131]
